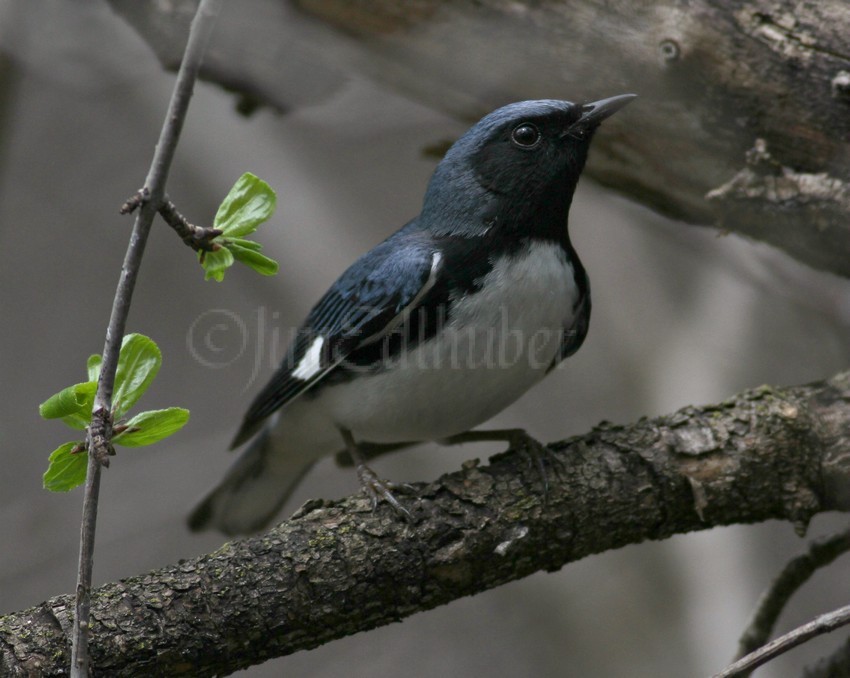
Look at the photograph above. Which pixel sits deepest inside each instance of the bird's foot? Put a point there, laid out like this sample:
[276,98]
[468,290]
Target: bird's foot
[376,488]
[537,454]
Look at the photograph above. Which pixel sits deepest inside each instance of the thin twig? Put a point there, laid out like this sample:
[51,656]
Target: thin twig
[199,238]
[134,201]
[825,623]
[796,573]
[101,429]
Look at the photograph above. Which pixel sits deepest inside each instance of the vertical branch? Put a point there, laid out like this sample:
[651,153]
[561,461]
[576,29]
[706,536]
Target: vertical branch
[100,432]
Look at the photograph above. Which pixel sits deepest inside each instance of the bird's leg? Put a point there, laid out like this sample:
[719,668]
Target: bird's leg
[518,439]
[368,451]
[372,485]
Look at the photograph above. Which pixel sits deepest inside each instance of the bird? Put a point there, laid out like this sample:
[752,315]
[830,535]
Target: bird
[439,327]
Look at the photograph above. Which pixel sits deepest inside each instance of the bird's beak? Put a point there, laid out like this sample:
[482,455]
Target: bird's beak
[596,111]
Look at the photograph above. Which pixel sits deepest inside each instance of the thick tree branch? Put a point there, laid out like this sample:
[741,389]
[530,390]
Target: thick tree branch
[743,120]
[335,568]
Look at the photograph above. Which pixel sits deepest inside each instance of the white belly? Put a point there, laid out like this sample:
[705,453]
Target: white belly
[499,342]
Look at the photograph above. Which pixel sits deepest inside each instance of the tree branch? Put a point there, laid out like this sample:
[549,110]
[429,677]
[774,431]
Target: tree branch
[100,430]
[824,623]
[199,238]
[796,573]
[335,568]
[743,120]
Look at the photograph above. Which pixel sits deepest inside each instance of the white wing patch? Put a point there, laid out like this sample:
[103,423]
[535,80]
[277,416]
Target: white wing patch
[311,363]
[436,260]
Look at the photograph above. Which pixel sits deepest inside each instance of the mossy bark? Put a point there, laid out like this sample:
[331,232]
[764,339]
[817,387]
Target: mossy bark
[336,568]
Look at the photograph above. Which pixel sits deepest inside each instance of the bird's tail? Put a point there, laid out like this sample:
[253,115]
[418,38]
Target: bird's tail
[253,490]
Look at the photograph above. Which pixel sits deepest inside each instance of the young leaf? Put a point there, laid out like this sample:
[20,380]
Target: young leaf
[216,263]
[247,244]
[138,364]
[93,367]
[73,405]
[250,202]
[152,427]
[66,470]
[250,257]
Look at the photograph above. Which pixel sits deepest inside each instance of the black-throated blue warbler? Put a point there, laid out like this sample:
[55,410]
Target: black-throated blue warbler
[439,327]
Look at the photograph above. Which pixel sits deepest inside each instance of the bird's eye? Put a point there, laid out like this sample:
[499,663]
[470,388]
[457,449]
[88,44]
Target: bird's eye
[525,135]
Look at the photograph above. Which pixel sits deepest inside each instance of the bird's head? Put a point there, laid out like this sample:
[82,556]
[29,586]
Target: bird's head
[520,158]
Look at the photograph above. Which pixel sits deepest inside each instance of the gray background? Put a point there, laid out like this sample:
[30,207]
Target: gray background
[680,316]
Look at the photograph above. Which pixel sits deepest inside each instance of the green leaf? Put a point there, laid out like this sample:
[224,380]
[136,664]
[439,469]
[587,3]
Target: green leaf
[250,202]
[216,263]
[66,470]
[242,242]
[73,405]
[138,364]
[93,367]
[147,428]
[250,257]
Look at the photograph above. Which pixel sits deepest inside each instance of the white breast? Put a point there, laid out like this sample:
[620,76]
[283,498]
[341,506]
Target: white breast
[498,343]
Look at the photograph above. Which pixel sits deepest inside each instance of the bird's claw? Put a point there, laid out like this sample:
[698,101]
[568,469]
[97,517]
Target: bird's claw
[378,488]
[537,455]
[518,439]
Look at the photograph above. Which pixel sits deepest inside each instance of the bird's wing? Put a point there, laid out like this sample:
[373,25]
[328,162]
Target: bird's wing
[575,333]
[367,302]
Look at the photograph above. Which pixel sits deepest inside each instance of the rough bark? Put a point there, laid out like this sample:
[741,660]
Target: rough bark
[744,116]
[336,568]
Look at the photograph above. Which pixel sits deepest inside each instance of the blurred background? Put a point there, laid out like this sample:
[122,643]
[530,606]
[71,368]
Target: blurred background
[681,316]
